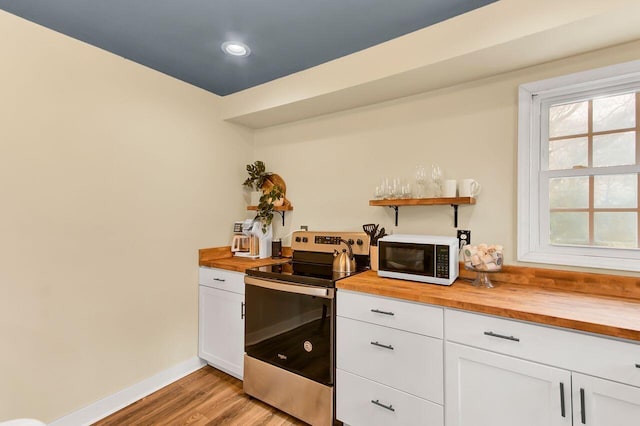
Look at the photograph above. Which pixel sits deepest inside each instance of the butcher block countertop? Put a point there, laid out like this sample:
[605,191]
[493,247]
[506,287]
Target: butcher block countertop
[221,257]
[595,303]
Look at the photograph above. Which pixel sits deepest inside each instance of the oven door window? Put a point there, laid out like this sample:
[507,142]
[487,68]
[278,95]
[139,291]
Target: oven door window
[408,258]
[292,331]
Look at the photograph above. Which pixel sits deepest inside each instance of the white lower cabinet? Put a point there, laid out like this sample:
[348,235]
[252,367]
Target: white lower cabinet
[504,372]
[221,320]
[600,402]
[389,362]
[488,389]
[364,402]
[405,363]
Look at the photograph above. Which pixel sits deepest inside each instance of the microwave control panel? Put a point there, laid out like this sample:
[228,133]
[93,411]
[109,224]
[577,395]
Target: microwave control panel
[442,261]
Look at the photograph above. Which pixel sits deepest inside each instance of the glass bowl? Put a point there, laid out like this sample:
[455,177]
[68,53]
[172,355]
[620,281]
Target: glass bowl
[483,259]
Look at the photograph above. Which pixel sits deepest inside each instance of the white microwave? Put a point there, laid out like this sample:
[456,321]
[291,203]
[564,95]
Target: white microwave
[424,258]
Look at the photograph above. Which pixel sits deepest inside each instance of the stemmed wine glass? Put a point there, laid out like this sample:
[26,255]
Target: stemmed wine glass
[421,179]
[436,176]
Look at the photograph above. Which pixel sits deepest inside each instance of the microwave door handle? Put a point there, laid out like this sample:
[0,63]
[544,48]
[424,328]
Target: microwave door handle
[323,292]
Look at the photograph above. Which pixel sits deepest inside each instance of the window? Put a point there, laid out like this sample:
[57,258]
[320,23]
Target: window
[579,169]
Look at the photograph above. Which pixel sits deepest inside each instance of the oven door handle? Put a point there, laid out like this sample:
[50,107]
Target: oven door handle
[323,292]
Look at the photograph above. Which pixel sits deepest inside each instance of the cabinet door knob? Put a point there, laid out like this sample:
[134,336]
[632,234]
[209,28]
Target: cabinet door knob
[378,311]
[637,365]
[381,345]
[379,404]
[501,336]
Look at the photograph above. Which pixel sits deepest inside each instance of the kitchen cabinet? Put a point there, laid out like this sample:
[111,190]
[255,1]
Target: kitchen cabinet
[485,388]
[600,402]
[488,389]
[221,319]
[505,372]
[389,361]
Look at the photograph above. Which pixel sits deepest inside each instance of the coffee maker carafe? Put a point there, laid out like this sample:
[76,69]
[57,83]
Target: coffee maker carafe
[240,243]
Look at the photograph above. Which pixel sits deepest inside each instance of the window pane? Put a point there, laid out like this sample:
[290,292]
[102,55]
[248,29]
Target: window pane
[616,149]
[567,153]
[615,229]
[568,119]
[569,192]
[614,112]
[615,191]
[569,228]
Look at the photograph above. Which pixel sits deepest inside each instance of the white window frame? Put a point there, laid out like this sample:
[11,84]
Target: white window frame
[533,192]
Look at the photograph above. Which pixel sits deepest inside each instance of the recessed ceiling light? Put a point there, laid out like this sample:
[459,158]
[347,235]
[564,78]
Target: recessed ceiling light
[235,48]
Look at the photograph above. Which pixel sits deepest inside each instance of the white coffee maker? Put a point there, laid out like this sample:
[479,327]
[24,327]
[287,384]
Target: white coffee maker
[259,241]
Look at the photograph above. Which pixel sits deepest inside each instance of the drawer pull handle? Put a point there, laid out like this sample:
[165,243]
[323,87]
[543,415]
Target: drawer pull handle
[583,415]
[378,311]
[219,279]
[379,404]
[501,336]
[562,408]
[381,345]
[637,365]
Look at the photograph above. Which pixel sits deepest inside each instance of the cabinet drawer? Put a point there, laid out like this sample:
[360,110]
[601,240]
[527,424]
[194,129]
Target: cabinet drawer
[594,355]
[408,316]
[410,362]
[354,406]
[221,279]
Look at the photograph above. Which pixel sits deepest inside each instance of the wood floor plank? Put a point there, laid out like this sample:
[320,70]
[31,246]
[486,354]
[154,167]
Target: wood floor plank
[205,397]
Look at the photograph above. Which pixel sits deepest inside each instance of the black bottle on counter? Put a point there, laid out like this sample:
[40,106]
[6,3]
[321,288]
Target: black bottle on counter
[276,249]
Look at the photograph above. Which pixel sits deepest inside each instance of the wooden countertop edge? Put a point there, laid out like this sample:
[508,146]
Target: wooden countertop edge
[240,265]
[222,258]
[582,310]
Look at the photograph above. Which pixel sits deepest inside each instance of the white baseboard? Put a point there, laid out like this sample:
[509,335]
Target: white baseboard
[112,403]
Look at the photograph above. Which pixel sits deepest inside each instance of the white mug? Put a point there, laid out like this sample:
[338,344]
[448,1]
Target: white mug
[469,188]
[449,188]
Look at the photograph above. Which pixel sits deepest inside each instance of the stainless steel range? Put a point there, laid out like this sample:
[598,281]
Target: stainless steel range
[290,325]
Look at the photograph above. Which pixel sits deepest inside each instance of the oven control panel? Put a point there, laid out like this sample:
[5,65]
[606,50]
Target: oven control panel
[325,239]
[327,242]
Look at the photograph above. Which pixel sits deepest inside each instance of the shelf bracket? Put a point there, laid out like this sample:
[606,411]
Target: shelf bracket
[455,215]
[281,214]
[395,208]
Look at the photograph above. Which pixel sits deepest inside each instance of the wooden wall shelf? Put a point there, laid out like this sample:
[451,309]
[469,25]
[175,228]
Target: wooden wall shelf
[279,209]
[452,201]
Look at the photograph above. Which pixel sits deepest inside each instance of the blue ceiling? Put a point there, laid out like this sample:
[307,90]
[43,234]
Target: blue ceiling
[182,38]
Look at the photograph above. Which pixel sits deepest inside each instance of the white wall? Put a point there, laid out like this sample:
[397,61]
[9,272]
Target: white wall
[112,176]
[332,163]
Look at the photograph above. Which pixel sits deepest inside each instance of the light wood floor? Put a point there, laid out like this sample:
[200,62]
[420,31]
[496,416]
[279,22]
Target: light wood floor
[205,397]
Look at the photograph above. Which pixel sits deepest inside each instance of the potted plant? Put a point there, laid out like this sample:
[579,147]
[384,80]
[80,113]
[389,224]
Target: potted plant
[272,188]
[267,206]
[257,176]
